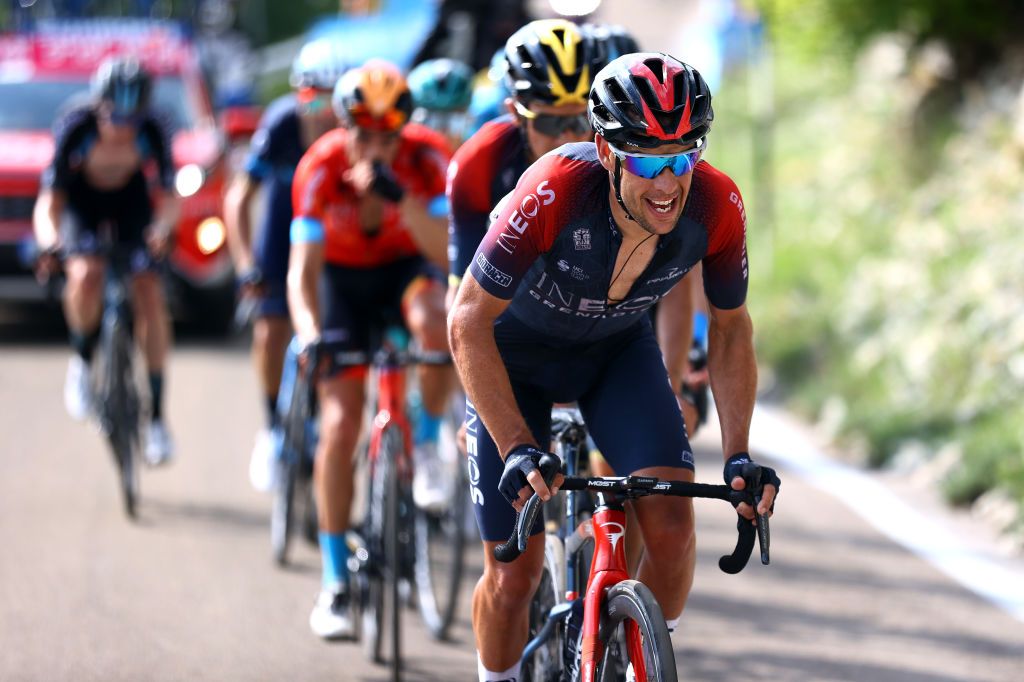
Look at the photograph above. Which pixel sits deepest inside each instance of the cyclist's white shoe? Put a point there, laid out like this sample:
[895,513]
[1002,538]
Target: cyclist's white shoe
[77,390]
[159,446]
[263,463]
[430,484]
[332,617]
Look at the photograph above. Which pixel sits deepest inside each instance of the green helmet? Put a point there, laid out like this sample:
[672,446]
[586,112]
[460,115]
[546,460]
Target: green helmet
[441,85]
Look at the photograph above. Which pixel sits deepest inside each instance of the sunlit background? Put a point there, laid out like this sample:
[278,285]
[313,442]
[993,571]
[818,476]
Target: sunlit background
[878,145]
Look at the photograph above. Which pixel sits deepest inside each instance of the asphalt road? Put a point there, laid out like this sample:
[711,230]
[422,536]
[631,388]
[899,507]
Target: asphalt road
[189,591]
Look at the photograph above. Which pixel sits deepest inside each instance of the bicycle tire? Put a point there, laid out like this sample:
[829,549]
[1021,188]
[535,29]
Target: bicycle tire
[391,444]
[546,663]
[282,516]
[631,614]
[375,526]
[440,548]
[120,416]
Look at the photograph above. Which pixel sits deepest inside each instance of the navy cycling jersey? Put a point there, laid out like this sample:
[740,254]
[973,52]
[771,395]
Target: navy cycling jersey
[483,170]
[76,131]
[276,146]
[274,153]
[552,245]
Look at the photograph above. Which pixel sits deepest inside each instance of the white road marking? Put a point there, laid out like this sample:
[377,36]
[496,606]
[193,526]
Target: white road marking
[984,575]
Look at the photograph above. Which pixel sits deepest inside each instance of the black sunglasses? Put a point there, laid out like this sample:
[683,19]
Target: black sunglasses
[554,125]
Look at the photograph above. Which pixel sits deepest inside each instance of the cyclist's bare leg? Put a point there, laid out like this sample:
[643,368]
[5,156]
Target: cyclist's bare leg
[152,323]
[341,412]
[501,604]
[423,306]
[270,337]
[670,545]
[83,293]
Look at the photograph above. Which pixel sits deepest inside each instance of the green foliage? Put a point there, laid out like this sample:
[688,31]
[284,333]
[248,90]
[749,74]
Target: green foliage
[891,283]
[976,32]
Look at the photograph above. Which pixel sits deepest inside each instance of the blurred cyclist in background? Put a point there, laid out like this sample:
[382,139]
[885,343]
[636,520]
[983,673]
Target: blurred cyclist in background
[549,67]
[95,190]
[441,93]
[489,92]
[290,125]
[367,252]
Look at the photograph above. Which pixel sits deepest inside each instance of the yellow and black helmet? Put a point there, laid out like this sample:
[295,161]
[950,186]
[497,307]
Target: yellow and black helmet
[550,61]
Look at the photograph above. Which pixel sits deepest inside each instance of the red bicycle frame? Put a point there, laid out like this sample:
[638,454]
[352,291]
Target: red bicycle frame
[391,411]
[607,568]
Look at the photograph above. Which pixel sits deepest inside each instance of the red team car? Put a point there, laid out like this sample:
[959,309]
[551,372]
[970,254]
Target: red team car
[39,71]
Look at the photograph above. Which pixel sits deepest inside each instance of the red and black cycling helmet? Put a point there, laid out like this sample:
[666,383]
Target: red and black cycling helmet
[648,99]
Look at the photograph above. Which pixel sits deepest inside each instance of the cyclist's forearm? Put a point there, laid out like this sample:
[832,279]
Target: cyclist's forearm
[167,214]
[486,382]
[732,368]
[237,204]
[303,287]
[46,218]
[429,232]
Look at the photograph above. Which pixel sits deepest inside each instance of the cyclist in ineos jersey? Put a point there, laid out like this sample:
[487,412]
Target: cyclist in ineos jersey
[289,126]
[96,189]
[556,311]
[366,252]
[550,65]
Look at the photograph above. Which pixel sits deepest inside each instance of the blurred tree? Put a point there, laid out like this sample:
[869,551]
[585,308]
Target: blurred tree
[976,33]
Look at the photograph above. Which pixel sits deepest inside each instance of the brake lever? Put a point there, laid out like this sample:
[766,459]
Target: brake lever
[510,550]
[764,536]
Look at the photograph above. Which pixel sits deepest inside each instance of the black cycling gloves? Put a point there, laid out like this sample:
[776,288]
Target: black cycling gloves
[734,467]
[520,462]
[384,183]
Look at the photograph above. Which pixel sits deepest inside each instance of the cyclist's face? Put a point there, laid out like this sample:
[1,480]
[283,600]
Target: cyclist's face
[315,105]
[657,203]
[373,145]
[113,127]
[549,127]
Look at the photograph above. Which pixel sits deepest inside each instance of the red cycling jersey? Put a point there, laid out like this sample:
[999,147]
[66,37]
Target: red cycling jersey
[321,196]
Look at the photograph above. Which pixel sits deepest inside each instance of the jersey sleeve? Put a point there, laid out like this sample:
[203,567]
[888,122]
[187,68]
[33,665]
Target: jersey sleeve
[725,265]
[259,162]
[309,196]
[524,225]
[469,203]
[158,145]
[69,131]
[433,158]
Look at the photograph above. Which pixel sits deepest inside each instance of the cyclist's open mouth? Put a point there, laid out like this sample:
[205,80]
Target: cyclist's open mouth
[662,207]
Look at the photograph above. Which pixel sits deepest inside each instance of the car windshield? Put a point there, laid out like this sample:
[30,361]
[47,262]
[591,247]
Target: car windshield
[30,105]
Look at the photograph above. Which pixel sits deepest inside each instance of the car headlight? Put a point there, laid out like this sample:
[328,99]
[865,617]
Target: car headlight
[189,179]
[210,235]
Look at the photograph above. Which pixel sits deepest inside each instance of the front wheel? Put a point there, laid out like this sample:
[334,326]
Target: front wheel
[634,637]
[441,540]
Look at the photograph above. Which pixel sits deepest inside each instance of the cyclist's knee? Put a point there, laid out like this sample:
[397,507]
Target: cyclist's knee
[670,532]
[149,295]
[510,586]
[425,318]
[85,275]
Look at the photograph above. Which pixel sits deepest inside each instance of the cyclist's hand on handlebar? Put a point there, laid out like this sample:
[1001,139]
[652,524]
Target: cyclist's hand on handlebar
[47,264]
[522,476]
[158,239]
[251,283]
[769,480]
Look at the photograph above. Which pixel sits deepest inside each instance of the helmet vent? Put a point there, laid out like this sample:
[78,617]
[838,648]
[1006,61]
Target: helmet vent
[657,67]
